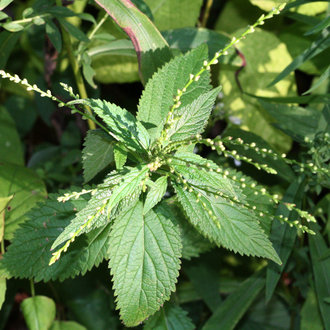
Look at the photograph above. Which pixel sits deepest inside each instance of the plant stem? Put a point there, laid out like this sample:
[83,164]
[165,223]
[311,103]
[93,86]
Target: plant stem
[76,70]
[33,293]
[99,24]
[206,12]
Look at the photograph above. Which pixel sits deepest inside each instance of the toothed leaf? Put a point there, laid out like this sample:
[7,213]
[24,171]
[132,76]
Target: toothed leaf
[231,226]
[122,124]
[157,98]
[193,117]
[29,254]
[144,253]
[155,194]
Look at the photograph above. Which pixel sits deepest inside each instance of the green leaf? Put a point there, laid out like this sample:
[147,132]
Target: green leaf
[310,315]
[123,125]
[12,27]
[157,98]
[3,289]
[186,39]
[204,275]
[105,203]
[279,164]
[66,325]
[120,155]
[235,306]
[231,226]
[155,194]
[193,243]
[151,48]
[54,35]
[39,312]
[193,117]
[283,236]
[317,47]
[7,43]
[144,253]
[10,144]
[170,317]
[29,254]
[27,189]
[319,27]
[5,3]
[97,153]
[188,165]
[73,30]
[173,14]
[295,121]
[321,271]
[324,76]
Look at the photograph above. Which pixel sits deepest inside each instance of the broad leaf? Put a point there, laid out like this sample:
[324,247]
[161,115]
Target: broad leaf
[10,145]
[54,35]
[144,253]
[151,48]
[97,154]
[120,155]
[170,317]
[173,14]
[188,165]
[235,306]
[231,226]
[3,289]
[27,189]
[310,314]
[39,312]
[157,98]
[193,243]
[122,124]
[105,204]
[295,121]
[155,194]
[29,254]
[193,117]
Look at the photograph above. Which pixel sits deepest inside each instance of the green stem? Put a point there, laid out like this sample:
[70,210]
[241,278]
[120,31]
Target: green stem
[33,292]
[99,24]
[206,12]
[76,70]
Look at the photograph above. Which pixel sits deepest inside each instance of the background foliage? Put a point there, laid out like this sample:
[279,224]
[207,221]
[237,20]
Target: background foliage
[275,95]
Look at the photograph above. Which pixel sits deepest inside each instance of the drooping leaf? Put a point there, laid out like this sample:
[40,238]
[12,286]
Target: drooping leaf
[231,226]
[283,236]
[10,145]
[39,312]
[27,189]
[157,98]
[122,124]
[235,306]
[321,270]
[170,317]
[155,194]
[7,43]
[97,153]
[144,253]
[193,117]
[151,48]
[29,254]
